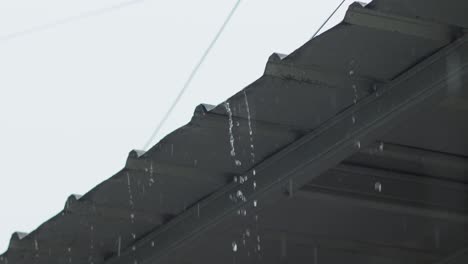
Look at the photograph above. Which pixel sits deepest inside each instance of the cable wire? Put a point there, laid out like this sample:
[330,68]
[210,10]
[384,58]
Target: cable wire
[192,75]
[328,19]
[60,22]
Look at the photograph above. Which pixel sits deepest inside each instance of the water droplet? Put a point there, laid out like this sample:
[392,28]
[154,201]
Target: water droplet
[247,232]
[152,243]
[255,203]
[254,172]
[132,216]
[351,72]
[69,249]
[235,178]
[381,146]
[258,247]
[234,246]
[243,212]
[239,194]
[378,186]
[358,144]
[353,118]
[133,235]
[133,248]
[258,238]
[238,163]
[254,185]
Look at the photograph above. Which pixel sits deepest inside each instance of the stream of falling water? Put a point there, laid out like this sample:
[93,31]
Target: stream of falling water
[249,240]
[231,134]
[252,147]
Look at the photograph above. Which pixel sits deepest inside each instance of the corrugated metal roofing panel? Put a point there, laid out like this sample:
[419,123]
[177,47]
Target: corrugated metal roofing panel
[298,94]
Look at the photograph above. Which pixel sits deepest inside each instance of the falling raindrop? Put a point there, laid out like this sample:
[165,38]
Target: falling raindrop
[255,203]
[358,144]
[247,232]
[353,118]
[378,186]
[152,243]
[238,163]
[133,248]
[130,195]
[235,178]
[119,244]
[151,180]
[239,194]
[243,212]
[234,246]
[250,127]
[351,72]
[254,185]
[254,172]
[381,146]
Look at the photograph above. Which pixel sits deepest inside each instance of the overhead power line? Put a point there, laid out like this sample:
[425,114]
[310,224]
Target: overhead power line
[328,19]
[191,76]
[67,20]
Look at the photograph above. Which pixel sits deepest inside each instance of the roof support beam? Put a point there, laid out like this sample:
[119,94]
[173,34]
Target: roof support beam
[413,160]
[347,245]
[313,154]
[360,16]
[388,187]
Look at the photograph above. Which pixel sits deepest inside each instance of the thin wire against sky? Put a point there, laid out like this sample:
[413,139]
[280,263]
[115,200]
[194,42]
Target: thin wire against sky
[67,20]
[192,75]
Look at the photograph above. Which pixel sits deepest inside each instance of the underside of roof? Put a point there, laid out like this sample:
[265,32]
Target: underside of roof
[354,148]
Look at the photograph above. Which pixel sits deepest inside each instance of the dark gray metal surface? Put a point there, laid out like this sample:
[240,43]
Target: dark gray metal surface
[381,93]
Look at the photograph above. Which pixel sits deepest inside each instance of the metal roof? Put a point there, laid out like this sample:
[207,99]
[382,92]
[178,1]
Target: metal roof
[352,148]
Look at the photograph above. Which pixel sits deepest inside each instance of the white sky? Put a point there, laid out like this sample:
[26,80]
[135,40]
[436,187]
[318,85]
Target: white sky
[76,98]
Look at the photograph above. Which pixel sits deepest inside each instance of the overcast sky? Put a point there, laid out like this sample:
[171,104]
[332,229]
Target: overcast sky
[75,98]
